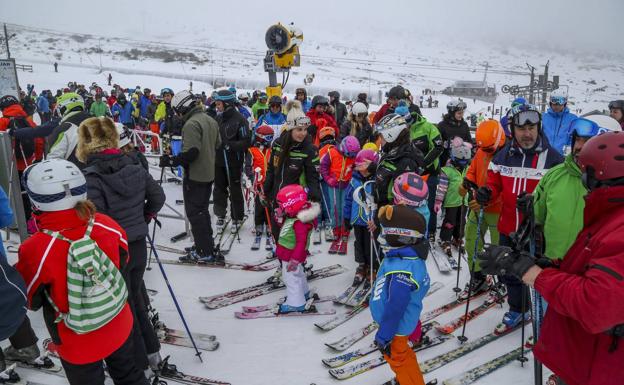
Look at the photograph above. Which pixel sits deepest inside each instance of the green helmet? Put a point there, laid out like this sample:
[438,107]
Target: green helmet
[69,101]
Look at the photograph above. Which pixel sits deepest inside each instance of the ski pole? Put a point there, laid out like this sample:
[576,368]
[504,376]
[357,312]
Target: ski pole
[175,300]
[522,357]
[463,337]
[149,260]
[462,223]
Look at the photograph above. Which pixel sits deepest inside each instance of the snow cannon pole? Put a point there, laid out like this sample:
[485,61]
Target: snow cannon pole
[463,337]
[175,300]
[149,260]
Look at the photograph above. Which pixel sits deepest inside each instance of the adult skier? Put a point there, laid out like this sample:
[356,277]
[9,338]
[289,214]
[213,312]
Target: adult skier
[64,138]
[357,124]
[556,121]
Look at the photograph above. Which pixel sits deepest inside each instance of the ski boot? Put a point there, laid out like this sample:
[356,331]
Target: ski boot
[510,321]
[446,247]
[258,239]
[188,249]
[236,224]
[220,225]
[432,239]
[190,257]
[283,309]
[276,278]
[316,237]
[268,246]
[28,355]
[215,259]
[480,284]
[9,375]
[329,233]
[360,274]
[459,245]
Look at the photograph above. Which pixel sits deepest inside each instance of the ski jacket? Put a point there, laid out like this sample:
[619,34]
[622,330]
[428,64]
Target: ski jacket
[400,159]
[111,100]
[428,140]
[450,128]
[336,169]
[340,112]
[514,170]
[454,178]
[43,105]
[325,149]
[123,114]
[400,287]
[64,138]
[259,109]
[363,133]
[478,173]
[585,298]
[121,188]
[383,111]
[558,205]
[314,116]
[170,123]
[306,104]
[556,127]
[294,237]
[17,112]
[200,132]
[235,139]
[300,168]
[43,265]
[144,103]
[99,109]
[257,157]
[275,121]
[353,211]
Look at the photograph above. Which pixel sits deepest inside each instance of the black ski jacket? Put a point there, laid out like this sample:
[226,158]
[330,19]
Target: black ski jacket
[235,138]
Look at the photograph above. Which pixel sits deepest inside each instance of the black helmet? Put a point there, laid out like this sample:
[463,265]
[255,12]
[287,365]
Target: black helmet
[334,94]
[397,92]
[8,100]
[275,100]
[319,99]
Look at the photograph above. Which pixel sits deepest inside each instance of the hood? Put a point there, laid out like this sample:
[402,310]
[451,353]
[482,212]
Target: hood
[310,213]
[113,170]
[14,111]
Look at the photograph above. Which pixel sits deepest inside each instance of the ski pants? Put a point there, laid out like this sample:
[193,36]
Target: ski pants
[155,128]
[24,336]
[196,200]
[228,178]
[145,339]
[120,365]
[260,214]
[362,247]
[324,216]
[452,223]
[518,296]
[335,204]
[296,285]
[403,362]
[432,184]
[488,223]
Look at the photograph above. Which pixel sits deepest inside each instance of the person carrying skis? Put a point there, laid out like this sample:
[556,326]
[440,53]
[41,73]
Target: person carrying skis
[336,168]
[297,216]
[256,161]
[400,287]
[581,336]
[120,187]
[516,169]
[453,125]
[490,138]
[327,140]
[273,117]
[84,336]
[355,216]
[556,121]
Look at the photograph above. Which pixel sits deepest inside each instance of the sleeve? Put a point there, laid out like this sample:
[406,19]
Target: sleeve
[6,214]
[325,165]
[299,253]
[471,173]
[435,144]
[95,194]
[60,147]
[28,267]
[270,173]
[348,201]
[248,166]
[441,188]
[494,181]
[312,175]
[539,201]
[399,289]
[41,131]
[161,112]
[154,195]
[115,109]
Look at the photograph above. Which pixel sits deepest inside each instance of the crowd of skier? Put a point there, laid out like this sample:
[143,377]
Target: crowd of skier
[535,200]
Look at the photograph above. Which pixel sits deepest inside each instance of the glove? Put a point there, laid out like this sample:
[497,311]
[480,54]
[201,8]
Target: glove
[474,205]
[483,196]
[501,260]
[383,346]
[437,207]
[292,265]
[331,181]
[165,161]
[524,203]
[463,190]
[262,199]
[248,184]
[148,217]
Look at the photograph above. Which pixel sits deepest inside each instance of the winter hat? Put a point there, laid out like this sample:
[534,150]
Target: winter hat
[295,116]
[124,135]
[96,135]
[401,226]
[366,155]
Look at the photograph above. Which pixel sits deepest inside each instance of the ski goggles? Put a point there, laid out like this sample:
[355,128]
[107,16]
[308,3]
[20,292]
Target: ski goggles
[559,100]
[265,138]
[584,128]
[526,117]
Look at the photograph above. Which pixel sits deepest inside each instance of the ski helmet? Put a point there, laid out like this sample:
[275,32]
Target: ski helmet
[320,99]
[461,153]
[365,156]
[275,100]
[583,128]
[602,160]
[370,146]
[411,189]
[327,131]
[605,122]
[292,199]
[125,135]
[70,101]
[8,100]
[262,96]
[558,99]
[518,101]
[490,135]
[359,108]
[183,101]
[391,126]
[349,146]
[54,185]
[401,226]
[264,134]
[525,114]
[243,97]
[166,91]
[455,105]
[617,104]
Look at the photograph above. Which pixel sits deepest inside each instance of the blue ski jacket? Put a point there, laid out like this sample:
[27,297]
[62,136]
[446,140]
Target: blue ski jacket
[555,126]
[355,213]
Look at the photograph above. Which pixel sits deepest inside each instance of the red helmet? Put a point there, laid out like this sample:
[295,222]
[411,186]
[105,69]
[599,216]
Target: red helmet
[292,199]
[265,134]
[602,159]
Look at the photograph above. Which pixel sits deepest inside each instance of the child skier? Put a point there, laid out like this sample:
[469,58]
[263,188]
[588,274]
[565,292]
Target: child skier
[402,283]
[355,215]
[327,140]
[297,216]
[336,169]
[449,198]
[256,161]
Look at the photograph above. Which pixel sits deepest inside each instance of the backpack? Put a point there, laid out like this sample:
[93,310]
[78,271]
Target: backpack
[96,290]
[24,148]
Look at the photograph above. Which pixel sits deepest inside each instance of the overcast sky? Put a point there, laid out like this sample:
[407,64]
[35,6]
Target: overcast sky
[596,25]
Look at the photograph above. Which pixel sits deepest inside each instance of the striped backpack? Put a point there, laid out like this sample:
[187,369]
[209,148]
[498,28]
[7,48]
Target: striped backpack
[96,290]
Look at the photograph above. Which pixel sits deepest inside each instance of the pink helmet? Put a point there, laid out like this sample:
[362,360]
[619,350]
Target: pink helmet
[349,146]
[366,155]
[410,188]
[292,199]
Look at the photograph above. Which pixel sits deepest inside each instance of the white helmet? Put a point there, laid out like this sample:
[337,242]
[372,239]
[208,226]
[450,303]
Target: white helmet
[124,134]
[391,126]
[359,108]
[605,122]
[55,185]
[183,101]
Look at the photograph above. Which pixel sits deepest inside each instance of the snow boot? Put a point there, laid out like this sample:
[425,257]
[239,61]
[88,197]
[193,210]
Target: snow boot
[510,321]
[480,284]
[28,354]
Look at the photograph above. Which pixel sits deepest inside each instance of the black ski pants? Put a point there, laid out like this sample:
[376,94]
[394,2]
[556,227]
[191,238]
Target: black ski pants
[227,184]
[120,365]
[24,336]
[196,200]
[260,213]
[362,247]
[516,290]
[452,223]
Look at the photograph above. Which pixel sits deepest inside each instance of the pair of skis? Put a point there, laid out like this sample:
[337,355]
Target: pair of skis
[355,294]
[339,245]
[259,265]
[272,311]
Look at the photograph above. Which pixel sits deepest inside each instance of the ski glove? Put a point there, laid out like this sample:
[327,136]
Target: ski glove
[524,203]
[383,347]
[165,161]
[483,196]
[501,260]
[292,265]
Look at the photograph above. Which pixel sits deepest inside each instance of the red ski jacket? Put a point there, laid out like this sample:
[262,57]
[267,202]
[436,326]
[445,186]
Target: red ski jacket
[586,298]
[43,264]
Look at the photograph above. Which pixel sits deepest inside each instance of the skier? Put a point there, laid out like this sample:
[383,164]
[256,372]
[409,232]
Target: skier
[339,109]
[62,221]
[357,124]
[616,111]
[402,283]
[302,96]
[122,111]
[336,169]
[318,111]
[145,100]
[516,169]
[505,119]
[235,140]
[327,140]
[489,138]
[260,106]
[556,121]
[273,117]
[99,108]
[43,107]
[355,216]
[297,216]
[581,336]
[396,95]
[256,161]
[121,188]
[199,150]
[453,125]
[448,197]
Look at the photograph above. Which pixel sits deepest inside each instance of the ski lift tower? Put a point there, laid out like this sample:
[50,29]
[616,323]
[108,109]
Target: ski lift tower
[283,54]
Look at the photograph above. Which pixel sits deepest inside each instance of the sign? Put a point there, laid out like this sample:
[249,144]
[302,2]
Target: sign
[8,78]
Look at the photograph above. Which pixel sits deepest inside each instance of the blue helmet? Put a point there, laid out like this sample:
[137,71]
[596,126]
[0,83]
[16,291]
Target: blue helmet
[518,101]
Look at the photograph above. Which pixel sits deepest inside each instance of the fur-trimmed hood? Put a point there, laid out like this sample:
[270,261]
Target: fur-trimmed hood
[310,213]
[96,135]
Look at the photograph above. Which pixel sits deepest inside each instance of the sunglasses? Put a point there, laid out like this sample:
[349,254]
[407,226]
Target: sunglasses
[526,117]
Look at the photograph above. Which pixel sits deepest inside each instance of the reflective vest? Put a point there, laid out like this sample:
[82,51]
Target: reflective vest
[341,167]
[260,159]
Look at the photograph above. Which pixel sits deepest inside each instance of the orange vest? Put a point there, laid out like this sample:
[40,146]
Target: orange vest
[341,166]
[260,159]
[324,149]
[477,173]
